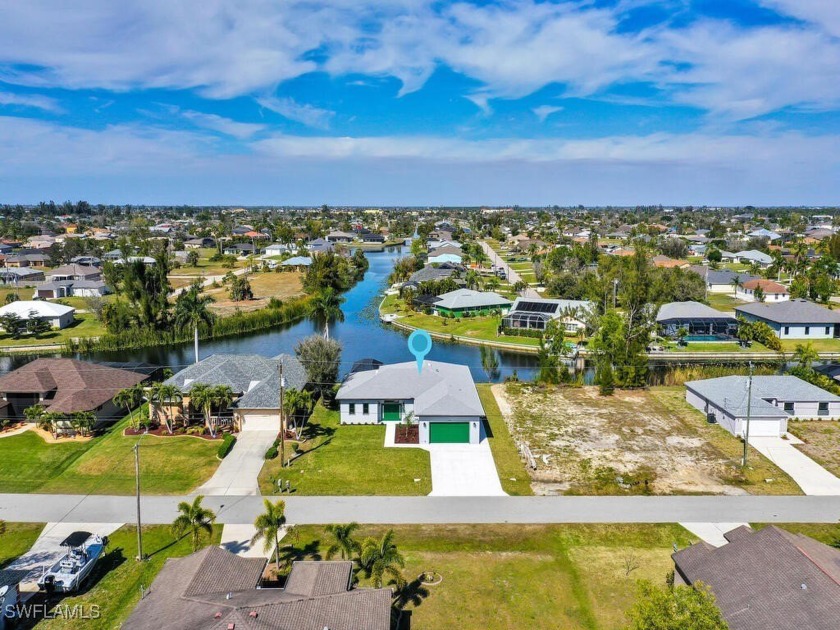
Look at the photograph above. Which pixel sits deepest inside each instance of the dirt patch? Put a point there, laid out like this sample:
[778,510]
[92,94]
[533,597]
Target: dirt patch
[821,442]
[267,285]
[584,443]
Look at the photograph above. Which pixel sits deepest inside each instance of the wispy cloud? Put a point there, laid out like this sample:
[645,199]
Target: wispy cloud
[223,125]
[544,111]
[304,113]
[30,100]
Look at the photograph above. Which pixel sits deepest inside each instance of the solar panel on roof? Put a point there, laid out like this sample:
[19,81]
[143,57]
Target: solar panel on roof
[537,307]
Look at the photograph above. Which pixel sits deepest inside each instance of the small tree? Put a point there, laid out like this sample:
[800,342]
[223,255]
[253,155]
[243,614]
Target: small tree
[269,524]
[83,421]
[343,543]
[380,558]
[195,520]
[806,355]
[321,359]
[129,398]
[677,608]
[192,258]
[165,396]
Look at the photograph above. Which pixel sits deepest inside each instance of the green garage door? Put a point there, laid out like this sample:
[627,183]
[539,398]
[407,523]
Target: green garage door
[449,433]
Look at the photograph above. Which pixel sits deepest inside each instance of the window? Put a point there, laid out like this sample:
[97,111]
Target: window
[789,407]
[787,330]
[823,409]
[828,330]
[365,409]
[352,409]
[807,330]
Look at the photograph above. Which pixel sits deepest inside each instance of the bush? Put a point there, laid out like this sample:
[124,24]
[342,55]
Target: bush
[227,444]
[271,453]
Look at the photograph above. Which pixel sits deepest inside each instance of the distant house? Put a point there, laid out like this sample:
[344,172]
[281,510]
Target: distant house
[772,291]
[442,400]
[67,386]
[90,261]
[254,380]
[71,288]
[58,315]
[765,233]
[535,313]
[435,273]
[774,400]
[461,301]
[214,588]
[199,243]
[721,280]
[341,237]
[297,262]
[74,271]
[794,319]
[767,579]
[27,260]
[754,256]
[700,321]
[241,249]
[666,262]
[277,249]
[20,275]
[446,254]
[319,246]
[372,237]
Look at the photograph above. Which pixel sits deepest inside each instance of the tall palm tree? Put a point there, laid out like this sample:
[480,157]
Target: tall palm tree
[191,310]
[83,421]
[326,307]
[343,543]
[381,557]
[269,524]
[129,398]
[195,520]
[295,403]
[165,396]
[206,397]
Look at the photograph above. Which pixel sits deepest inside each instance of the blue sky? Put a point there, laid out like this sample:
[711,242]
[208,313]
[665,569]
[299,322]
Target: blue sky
[409,102]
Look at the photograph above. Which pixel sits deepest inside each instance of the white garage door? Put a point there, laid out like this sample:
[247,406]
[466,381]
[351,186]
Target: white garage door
[268,422]
[764,428]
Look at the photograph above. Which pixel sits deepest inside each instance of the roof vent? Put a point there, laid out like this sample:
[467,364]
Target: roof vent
[804,586]
[229,595]
[231,626]
[218,615]
[253,614]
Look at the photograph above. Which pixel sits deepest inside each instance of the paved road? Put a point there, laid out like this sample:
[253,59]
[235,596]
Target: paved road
[512,276]
[429,510]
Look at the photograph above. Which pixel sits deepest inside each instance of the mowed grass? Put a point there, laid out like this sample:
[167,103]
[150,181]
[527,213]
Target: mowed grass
[85,325]
[822,442]
[17,540]
[523,576]
[115,583]
[820,345]
[723,302]
[759,469]
[515,479]
[168,465]
[27,462]
[349,460]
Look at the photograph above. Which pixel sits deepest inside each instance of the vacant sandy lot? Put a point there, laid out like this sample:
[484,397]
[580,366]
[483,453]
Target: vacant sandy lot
[628,443]
[282,285]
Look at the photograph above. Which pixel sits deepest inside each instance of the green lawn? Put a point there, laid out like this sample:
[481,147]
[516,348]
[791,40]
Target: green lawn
[115,583]
[723,302]
[17,540]
[523,576]
[86,325]
[349,460]
[820,345]
[515,479]
[717,346]
[105,465]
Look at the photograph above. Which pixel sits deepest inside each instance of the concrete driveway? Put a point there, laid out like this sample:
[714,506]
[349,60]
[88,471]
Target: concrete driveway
[238,472]
[808,474]
[464,470]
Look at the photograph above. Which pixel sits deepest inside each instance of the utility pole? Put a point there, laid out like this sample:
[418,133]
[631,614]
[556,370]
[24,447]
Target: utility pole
[282,417]
[749,409]
[615,290]
[137,489]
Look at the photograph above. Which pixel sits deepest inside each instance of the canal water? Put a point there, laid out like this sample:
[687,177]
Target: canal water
[362,335]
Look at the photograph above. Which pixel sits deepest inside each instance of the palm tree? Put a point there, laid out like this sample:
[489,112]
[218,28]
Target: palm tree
[806,355]
[343,543]
[83,421]
[326,307]
[269,524]
[34,413]
[205,397]
[128,399]
[195,520]
[164,396]
[296,402]
[736,283]
[191,310]
[381,557]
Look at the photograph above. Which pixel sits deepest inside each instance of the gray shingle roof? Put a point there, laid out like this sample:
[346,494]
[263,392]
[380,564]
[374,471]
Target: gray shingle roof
[689,310]
[730,393]
[467,298]
[768,579]
[252,375]
[443,389]
[791,312]
[720,276]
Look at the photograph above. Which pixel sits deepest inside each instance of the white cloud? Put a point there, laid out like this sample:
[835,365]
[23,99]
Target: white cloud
[223,125]
[30,100]
[825,13]
[300,112]
[544,111]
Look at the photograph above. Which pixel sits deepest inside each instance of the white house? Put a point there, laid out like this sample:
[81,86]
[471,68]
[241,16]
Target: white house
[774,399]
[442,398]
[794,319]
[277,249]
[754,256]
[772,291]
[535,313]
[721,280]
[58,315]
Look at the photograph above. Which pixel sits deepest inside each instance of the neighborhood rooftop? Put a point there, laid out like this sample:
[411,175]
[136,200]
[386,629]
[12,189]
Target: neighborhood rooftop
[730,393]
[791,312]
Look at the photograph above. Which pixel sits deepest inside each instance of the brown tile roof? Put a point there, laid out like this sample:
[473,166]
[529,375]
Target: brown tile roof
[768,579]
[768,286]
[78,385]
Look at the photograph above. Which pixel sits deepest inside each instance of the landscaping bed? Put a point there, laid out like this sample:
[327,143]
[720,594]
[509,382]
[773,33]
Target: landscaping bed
[179,431]
[407,434]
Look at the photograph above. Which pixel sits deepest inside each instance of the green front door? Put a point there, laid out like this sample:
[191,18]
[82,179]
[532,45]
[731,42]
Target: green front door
[449,433]
[392,411]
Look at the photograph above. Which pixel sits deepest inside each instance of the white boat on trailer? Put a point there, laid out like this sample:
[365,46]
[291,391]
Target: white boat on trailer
[67,575]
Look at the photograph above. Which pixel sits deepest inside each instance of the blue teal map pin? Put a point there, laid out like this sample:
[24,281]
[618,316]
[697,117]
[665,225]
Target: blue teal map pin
[419,344]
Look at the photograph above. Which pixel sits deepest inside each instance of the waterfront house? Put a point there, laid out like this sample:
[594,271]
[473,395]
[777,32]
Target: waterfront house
[767,579]
[794,319]
[297,262]
[462,301]
[774,399]
[58,315]
[702,323]
[319,246]
[446,254]
[214,588]
[338,236]
[772,291]
[721,280]
[66,386]
[255,383]
[441,399]
[535,313]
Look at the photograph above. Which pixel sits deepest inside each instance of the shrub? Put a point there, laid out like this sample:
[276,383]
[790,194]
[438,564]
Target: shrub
[271,453]
[227,444]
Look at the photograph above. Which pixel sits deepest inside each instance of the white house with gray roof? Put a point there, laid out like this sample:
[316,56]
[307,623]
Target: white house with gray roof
[442,398]
[774,400]
[457,303]
[794,319]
